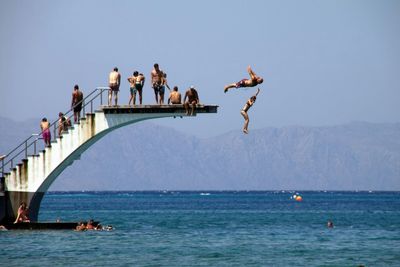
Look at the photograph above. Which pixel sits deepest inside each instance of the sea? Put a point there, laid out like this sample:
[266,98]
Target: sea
[213,228]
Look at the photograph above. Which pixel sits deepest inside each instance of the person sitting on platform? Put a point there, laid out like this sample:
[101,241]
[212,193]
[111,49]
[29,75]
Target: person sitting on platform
[22,214]
[175,96]
[193,99]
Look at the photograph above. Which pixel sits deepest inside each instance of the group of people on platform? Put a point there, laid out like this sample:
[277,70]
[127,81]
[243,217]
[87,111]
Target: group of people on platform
[136,82]
[159,84]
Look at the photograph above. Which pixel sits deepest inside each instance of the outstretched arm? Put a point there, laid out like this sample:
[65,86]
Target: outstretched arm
[251,73]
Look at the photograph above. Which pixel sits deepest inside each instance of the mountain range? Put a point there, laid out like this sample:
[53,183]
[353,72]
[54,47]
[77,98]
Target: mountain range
[146,156]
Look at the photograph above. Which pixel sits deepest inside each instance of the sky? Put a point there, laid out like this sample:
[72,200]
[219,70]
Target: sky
[323,62]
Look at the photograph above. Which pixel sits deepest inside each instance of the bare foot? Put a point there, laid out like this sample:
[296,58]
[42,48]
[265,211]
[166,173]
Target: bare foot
[245,131]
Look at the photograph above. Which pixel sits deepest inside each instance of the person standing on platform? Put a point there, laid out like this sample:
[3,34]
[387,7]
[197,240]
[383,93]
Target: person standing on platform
[164,84]
[139,86]
[157,77]
[76,103]
[136,86]
[114,80]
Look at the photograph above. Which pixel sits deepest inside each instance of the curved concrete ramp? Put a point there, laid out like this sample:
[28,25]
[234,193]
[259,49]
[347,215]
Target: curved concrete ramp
[30,179]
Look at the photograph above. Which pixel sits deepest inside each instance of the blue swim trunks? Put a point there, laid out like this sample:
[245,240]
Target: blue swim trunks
[133,90]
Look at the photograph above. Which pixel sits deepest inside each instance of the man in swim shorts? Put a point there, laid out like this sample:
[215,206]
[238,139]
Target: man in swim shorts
[193,99]
[175,96]
[45,127]
[246,108]
[114,80]
[76,103]
[253,81]
[158,81]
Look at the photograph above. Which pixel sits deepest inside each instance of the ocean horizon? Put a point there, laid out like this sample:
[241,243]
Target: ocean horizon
[213,228]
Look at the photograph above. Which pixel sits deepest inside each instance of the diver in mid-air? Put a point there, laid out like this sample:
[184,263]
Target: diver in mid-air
[253,81]
[246,107]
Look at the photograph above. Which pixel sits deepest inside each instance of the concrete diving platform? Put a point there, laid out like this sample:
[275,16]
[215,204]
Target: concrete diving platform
[179,109]
[29,180]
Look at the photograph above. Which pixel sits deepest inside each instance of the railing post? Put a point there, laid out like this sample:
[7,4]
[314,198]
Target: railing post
[2,167]
[55,132]
[84,112]
[34,144]
[101,97]
[26,149]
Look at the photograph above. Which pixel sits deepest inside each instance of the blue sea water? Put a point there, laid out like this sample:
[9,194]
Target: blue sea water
[213,229]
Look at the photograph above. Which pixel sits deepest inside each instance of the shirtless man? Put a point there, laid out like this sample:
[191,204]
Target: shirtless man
[193,99]
[175,96]
[114,81]
[76,103]
[246,107]
[45,127]
[158,81]
[253,81]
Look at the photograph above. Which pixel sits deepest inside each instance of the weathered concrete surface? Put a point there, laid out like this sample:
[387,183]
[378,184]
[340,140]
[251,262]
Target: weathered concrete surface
[29,180]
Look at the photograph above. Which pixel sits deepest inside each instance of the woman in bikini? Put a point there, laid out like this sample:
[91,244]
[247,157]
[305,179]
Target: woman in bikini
[246,107]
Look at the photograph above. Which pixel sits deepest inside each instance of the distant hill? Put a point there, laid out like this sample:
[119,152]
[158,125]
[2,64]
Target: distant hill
[144,156]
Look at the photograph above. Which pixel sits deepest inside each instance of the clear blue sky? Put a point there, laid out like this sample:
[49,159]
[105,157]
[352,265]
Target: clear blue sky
[323,62]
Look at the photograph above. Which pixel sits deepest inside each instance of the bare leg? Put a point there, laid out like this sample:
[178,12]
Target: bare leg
[109,97]
[186,105]
[140,97]
[229,86]
[134,99]
[246,121]
[130,99]
[193,107]
[116,97]
[156,96]
[161,98]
